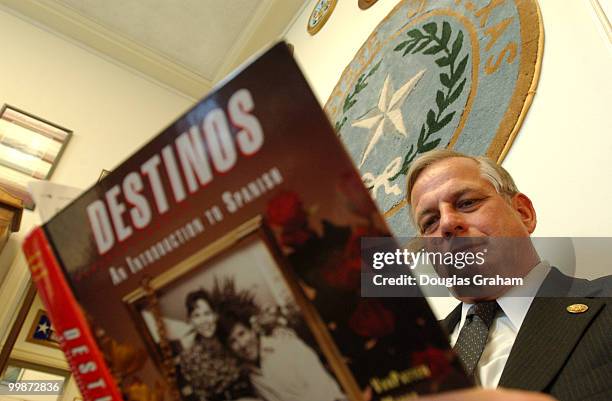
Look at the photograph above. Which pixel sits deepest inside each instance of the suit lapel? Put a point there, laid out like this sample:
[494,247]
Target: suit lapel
[547,336]
[545,340]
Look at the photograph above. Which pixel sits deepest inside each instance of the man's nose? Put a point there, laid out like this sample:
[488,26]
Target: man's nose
[452,224]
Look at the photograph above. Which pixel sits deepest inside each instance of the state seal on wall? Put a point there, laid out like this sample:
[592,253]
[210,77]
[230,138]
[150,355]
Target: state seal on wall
[455,74]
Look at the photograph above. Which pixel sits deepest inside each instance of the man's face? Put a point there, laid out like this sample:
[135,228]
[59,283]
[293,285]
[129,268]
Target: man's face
[244,342]
[457,210]
[451,199]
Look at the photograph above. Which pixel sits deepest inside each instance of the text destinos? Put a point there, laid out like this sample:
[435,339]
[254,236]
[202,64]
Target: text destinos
[189,163]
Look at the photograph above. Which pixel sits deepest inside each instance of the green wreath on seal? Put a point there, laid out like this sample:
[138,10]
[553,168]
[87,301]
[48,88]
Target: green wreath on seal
[436,119]
[418,41]
[351,98]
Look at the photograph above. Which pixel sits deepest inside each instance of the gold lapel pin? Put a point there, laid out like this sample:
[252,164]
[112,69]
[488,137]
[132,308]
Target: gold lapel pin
[577,308]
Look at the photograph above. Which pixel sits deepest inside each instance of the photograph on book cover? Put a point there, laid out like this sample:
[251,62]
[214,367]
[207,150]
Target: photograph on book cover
[230,322]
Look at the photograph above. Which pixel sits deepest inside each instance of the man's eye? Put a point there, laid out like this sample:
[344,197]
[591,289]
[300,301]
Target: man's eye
[467,203]
[428,224]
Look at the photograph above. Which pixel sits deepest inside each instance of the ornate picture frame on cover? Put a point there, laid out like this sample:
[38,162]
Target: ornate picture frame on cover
[433,74]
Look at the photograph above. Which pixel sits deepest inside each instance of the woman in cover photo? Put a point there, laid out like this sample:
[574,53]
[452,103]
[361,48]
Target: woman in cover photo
[212,372]
[281,366]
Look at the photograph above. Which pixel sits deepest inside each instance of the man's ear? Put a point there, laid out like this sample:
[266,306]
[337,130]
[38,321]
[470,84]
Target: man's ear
[523,206]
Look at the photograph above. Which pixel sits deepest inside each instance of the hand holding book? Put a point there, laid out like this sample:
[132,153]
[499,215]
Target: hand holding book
[489,395]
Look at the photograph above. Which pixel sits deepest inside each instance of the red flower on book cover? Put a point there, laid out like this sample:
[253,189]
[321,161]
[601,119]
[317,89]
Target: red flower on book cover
[372,319]
[286,210]
[343,275]
[296,237]
[353,246]
[438,361]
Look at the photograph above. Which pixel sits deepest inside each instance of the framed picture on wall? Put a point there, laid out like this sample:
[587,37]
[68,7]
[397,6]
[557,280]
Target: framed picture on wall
[30,148]
[103,174]
[20,371]
[321,12]
[41,332]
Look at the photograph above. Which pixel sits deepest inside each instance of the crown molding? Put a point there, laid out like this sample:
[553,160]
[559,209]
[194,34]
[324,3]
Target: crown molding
[69,23]
[269,23]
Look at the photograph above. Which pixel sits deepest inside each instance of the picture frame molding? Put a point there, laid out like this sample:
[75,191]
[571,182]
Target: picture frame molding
[253,226]
[34,327]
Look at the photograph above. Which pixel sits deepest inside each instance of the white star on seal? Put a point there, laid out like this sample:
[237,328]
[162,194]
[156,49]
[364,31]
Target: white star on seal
[388,108]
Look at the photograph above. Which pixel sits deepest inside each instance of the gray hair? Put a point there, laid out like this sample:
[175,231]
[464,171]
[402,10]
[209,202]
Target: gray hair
[490,171]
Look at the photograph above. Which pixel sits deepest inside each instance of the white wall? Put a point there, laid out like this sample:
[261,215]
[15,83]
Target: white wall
[561,156]
[111,110]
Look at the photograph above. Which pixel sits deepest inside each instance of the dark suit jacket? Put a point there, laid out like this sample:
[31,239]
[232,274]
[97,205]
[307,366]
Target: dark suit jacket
[566,355]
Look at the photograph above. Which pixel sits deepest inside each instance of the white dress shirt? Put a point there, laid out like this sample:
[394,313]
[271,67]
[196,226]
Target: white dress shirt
[502,333]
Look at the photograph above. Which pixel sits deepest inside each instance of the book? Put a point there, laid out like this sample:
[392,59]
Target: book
[222,261]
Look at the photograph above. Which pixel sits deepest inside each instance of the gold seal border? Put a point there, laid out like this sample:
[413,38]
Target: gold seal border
[532,46]
[532,49]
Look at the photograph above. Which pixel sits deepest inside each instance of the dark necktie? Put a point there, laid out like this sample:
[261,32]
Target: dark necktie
[473,335]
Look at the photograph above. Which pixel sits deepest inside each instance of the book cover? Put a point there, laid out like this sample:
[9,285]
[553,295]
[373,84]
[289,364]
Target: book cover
[222,261]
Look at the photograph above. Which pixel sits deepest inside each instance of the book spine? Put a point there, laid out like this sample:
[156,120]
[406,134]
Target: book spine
[76,339]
